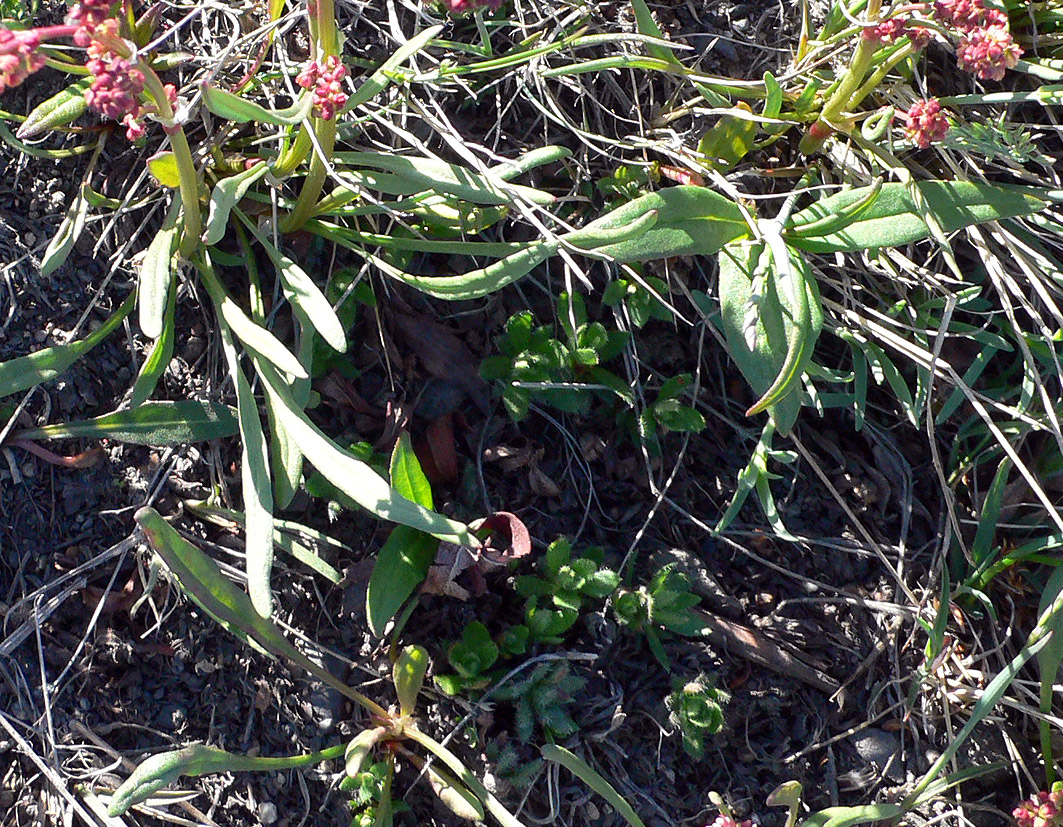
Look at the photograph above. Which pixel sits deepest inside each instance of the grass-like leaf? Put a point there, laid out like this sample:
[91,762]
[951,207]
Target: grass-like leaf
[593,779]
[153,423]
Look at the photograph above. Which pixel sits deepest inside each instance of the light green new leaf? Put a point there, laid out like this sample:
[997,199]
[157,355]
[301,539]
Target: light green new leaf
[893,218]
[240,110]
[691,221]
[785,334]
[58,110]
[68,233]
[159,357]
[163,168]
[27,371]
[226,195]
[408,677]
[593,779]
[153,423]
[156,274]
[352,476]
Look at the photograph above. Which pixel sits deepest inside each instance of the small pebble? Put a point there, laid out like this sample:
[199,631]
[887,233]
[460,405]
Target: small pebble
[267,813]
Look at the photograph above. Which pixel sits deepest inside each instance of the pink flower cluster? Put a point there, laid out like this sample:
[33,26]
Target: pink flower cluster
[327,83]
[892,30]
[927,123]
[986,47]
[462,6]
[18,57]
[115,89]
[729,821]
[88,15]
[1043,809]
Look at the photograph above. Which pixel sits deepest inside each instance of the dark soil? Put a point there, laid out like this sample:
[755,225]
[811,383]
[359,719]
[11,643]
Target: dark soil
[91,683]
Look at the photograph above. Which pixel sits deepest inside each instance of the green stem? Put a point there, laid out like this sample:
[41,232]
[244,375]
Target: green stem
[186,167]
[877,76]
[246,763]
[323,33]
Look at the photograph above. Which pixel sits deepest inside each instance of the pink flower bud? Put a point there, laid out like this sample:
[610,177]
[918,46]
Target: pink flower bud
[326,81]
[888,31]
[462,6]
[115,88]
[927,123]
[988,52]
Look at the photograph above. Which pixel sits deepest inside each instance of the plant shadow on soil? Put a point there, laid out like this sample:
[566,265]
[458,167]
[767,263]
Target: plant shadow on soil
[137,686]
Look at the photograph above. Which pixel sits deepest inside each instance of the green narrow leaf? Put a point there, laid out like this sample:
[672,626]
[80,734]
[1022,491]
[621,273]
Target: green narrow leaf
[435,175]
[156,274]
[256,483]
[153,423]
[401,566]
[301,291]
[476,283]
[285,533]
[894,218]
[201,579]
[728,140]
[159,357]
[240,110]
[775,332]
[67,235]
[27,371]
[257,338]
[58,110]
[493,805]
[407,477]
[1048,662]
[159,771]
[226,195]
[352,476]
[593,779]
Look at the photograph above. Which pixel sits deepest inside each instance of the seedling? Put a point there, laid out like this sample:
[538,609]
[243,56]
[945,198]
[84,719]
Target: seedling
[661,605]
[542,699]
[696,708]
[565,584]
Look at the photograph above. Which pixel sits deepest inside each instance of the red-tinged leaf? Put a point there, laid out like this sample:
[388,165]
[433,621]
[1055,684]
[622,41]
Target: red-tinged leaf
[437,452]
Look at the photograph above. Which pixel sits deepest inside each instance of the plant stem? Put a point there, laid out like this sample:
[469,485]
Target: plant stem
[831,114]
[323,31]
[186,167]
